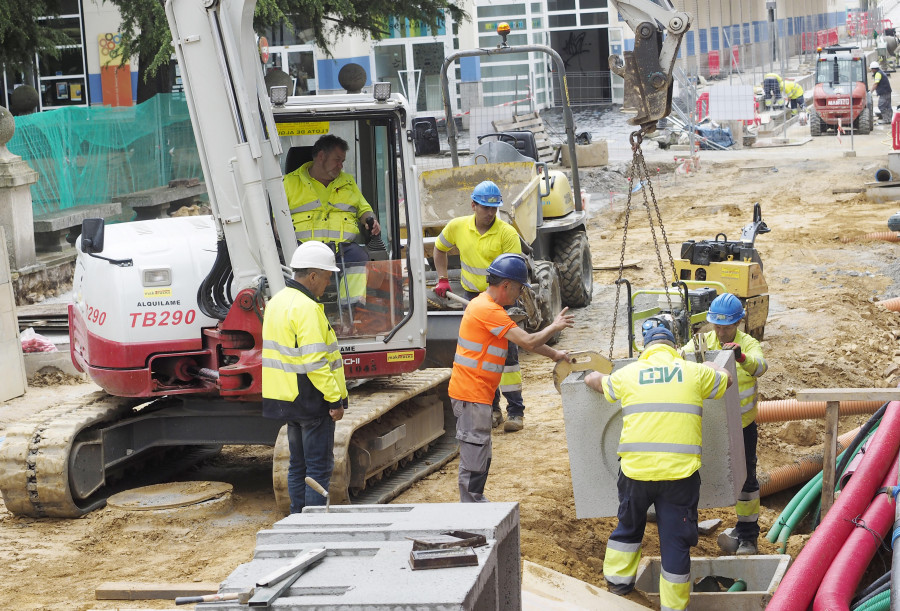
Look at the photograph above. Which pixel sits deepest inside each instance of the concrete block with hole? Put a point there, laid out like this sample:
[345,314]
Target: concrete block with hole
[593,426]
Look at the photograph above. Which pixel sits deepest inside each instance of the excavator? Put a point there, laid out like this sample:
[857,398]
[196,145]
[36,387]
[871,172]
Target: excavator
[167,313]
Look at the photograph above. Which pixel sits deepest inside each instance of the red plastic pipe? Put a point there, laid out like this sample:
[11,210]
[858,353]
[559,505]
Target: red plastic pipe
[799,586]
[843,576]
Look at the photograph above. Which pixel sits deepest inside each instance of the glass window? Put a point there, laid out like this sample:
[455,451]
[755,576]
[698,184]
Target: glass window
[498,71]
[561,21]
[69,7]
[491,40]
[560,5]
[586,4]
[594,19]
[537,23]
[503,59]
[536,8]
[503,10]
[70,26]
[68,92]
[69,62]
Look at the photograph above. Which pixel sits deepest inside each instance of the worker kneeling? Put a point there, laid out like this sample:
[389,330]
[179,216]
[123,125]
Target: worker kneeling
[484,335]
[662,400]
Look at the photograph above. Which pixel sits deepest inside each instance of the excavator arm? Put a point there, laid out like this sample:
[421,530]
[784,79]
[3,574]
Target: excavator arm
[648,69]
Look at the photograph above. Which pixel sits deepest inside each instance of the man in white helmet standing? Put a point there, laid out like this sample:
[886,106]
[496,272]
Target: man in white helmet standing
[303,372]
[882,87]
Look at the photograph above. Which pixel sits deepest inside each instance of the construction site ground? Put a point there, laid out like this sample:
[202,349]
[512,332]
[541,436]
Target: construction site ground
[825,329]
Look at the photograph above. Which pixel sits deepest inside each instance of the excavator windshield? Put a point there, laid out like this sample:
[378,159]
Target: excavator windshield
[370,295]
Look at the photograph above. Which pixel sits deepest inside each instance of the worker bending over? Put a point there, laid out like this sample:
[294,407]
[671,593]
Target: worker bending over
[303,372]
[725,313]
[485,335]
[480,238]
[773,90]
[662,400]
[327,206]
[793,92]
[881,85]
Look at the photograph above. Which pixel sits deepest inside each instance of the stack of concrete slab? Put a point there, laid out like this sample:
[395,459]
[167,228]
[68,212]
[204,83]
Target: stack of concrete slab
[593,427]
[367,563]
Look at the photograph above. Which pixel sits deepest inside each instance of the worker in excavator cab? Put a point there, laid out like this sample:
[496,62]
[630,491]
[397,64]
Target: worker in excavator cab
[659,455]
[725,313]
[793,93]
[480,238]
[327,206]
[773,90]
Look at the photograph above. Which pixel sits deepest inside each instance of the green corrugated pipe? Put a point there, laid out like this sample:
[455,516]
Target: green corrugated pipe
[739,586]
[879,602]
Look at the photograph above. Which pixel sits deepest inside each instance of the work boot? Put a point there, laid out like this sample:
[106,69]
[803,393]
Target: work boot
[728,543]
[496,418]
[513,424]
[747,548]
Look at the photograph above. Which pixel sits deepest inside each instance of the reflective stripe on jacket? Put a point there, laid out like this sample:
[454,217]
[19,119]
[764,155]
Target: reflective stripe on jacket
[480,351]
[477,251]
[302,368]
[333,220]
[753,367]
[662,401]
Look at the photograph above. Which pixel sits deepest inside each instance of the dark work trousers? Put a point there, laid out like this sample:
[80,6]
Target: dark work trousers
[749,531]
[515,406]
[311,442]
[676,516]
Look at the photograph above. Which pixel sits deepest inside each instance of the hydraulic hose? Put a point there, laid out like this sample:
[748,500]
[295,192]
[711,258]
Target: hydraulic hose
[848,566]
[873,588]
[803,578]
[791,409]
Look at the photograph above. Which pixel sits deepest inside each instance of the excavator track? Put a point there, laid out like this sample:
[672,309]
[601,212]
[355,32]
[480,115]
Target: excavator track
[41,468]
[34,457]
[395,432]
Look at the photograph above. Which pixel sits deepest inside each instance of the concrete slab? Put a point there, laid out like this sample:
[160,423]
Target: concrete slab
[498,521]
[368,546]
[593,427]
[13,382]
[544,589]
[761,573]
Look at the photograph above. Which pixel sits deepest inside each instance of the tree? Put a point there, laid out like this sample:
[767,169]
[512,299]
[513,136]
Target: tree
[145,31]
[24,32]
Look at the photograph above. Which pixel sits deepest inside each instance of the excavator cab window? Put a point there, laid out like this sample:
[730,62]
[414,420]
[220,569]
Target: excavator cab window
[371,298]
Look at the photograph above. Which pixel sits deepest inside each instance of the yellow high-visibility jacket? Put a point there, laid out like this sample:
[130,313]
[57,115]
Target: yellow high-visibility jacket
[325,214]
[662,402]
[477,251]
[747,372]
[302,368]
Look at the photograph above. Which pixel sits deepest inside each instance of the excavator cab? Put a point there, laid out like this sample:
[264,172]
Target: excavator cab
[369,297]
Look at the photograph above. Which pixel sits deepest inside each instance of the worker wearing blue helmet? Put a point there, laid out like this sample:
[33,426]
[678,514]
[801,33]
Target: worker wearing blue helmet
[480,238]
[725,313]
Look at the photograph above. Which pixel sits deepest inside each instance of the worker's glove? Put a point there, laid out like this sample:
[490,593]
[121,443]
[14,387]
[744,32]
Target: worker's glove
[442,287]
[739,356]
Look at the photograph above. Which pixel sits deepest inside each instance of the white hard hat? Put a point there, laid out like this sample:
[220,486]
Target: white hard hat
[313,255]
[874,66]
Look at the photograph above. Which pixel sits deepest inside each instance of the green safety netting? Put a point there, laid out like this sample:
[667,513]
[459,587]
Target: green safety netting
[89,155]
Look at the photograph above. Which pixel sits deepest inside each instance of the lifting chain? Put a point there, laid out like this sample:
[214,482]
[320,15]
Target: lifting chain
[639,175]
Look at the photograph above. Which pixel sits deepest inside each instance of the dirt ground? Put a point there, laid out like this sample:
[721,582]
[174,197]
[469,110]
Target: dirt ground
[824,330]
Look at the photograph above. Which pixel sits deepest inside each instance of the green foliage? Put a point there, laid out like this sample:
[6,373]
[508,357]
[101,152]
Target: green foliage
[22,34]
[145,31]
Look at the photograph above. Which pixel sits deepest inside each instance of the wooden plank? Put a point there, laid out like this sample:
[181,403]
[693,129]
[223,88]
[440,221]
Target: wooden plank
[849,394]
[135,590]
[613,265]
[829,455]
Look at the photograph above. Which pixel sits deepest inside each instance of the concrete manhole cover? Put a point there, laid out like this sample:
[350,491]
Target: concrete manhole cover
[177,497]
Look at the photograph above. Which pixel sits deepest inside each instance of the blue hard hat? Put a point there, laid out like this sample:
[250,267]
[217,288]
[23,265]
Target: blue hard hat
[726,309]
[654,329]
[487,194]
[510,266]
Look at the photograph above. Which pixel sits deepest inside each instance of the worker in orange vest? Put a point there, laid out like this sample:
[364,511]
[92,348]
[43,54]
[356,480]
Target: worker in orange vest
[484,335]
